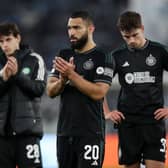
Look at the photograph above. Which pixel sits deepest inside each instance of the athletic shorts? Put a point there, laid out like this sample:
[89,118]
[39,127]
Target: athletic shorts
[23,151]
[80,152]
[141,142]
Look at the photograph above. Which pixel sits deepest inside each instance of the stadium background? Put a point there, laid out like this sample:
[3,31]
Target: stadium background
[43,26]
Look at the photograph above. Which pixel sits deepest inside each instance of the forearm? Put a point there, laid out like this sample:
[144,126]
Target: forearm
[55,86]
[106,107]
[95,91]
[33,88]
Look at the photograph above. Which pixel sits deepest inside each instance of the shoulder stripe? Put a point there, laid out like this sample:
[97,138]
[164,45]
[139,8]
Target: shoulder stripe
[41,69]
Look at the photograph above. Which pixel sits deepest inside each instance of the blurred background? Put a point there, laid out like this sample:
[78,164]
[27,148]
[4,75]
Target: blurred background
[43,26]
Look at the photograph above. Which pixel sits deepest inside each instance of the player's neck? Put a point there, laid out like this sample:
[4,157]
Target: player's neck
[89,45]
[143,43]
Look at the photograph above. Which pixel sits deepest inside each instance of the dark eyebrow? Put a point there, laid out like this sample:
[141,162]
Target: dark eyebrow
[127,36]
[75,26]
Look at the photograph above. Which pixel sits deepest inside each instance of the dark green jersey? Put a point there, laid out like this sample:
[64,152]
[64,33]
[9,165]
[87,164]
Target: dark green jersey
[79,114]
[140,74]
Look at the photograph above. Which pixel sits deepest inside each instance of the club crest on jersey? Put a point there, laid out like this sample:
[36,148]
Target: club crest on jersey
[150,60]
[88,64]
[26,70]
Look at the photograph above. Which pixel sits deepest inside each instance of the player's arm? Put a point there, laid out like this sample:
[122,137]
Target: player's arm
[165,58]
[5,78]
[55,86]
[3,82]
[115,115]
[106,108]
[33,84]
[33,88]
[95,91]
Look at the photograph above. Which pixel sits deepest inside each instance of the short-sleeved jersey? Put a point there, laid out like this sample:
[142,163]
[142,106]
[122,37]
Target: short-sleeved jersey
[140,73]
[79,114]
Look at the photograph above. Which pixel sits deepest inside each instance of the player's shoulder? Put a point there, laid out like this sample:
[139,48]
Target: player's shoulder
[36,55]
[103,54]
[157,45]
[119,50]
[100,50]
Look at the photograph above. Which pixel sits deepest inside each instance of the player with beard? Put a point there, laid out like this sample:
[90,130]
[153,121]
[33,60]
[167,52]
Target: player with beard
[82,76]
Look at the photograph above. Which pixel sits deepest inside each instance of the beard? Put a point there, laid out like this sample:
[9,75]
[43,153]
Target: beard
[79,43]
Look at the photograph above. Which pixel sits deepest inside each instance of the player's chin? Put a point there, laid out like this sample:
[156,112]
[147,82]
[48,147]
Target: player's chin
[74,45]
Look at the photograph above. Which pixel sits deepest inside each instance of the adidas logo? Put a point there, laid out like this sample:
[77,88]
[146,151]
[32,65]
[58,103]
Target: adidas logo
[94,163]
[126,64]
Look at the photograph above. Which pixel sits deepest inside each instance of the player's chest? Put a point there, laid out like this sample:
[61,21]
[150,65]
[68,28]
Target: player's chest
[138,62]
[84,65]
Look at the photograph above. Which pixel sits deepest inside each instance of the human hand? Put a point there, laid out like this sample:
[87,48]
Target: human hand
[115,116]
[161,113]
[12,65]
[65,68]
[6,72]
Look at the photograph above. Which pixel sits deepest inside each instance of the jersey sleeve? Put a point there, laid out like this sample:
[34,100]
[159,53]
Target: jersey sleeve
[104,71]
[53,73]
[165,58]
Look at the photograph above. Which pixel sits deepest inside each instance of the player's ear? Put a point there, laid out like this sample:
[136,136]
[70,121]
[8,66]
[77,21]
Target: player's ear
[19,38]
[91,28]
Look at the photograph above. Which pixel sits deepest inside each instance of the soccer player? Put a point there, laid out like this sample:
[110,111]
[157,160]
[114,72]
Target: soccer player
[82,76]
[140,115]
[22,83]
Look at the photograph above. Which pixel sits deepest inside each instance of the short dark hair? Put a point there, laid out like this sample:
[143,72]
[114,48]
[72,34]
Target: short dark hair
[84,15]
[129,20]
[7,28]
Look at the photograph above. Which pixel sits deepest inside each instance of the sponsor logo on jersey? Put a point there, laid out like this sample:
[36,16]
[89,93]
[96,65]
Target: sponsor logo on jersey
[108,72]
[139,77]
[126,64]
[88,64]
[26,70]
[100,70]
[150,60]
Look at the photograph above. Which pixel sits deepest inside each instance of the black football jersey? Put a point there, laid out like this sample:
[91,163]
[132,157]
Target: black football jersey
[79,114]
[140,73]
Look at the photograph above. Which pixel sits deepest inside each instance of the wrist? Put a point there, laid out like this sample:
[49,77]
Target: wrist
[63,81]
[2,76]
[72,75]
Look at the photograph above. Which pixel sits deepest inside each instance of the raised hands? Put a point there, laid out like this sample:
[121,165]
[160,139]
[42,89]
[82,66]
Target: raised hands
[10,68]
[65,68]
